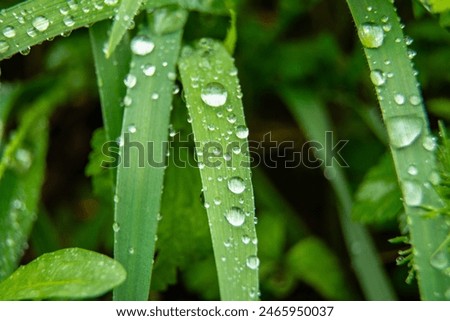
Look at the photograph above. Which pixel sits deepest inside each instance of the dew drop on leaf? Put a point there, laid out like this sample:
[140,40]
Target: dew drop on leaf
[236,185]
[235,216]
[429,143]
[40,23]
[214,94]
[371,35]
[252,262]
[439,260]
[9,32]
[148,70]
[130,81]
[3,46]
[142,45]
[412,193]
[116,227]
[403,130]
[377,77]
[241,132]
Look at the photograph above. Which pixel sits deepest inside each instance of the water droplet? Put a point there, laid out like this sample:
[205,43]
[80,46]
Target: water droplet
[252,262]
[132,129]
[403,130]
[412,170]
[241,132]
[439,260]
[231,118]
[408,40]
[245,239]
[399,99]
[235,216]
[148,70]
[142,45]
[116,227]
[415,100]
[131,250]
[236,185]
[3,47]
[127,101]
[412,193]
[68,21]
[217,201]
[111,2]
[9,32]
[40,23]
[116,198]
[411,53]
[435,178]
[130,81]
[155,96]
[214,94]
[371,35]
[429,143]
[377,77]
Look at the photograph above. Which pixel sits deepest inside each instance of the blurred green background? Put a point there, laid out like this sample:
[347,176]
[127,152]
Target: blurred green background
[310,45]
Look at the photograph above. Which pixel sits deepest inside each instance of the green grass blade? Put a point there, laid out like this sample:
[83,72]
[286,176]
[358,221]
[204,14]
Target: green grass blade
[70,273]
[123,19]
[32,22]
[218,124]
[311,116]
[411,143]
[110,75]
[140,172]
[22,173]
[218,7]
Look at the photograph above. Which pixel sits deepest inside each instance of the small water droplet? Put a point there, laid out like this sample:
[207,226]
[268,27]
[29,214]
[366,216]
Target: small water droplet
[116,227]
[399,99]
[148,70]
[403,130]
[127,101]
[111,2]
[412,193]
[3,47]
[412,170]
[132,129]
[68,21]
[252,262]
[439,260]
[236,185]
[371,35]
[245,239]
[429,143]
[435,178]
[377,77]
[130,81]
[155,96]
[40,23]
[9,32]
[131,250]
[235,216]
[214,94]
[142,45]
[242,132]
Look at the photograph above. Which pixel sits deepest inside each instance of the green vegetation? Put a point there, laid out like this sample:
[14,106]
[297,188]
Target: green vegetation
[226,150]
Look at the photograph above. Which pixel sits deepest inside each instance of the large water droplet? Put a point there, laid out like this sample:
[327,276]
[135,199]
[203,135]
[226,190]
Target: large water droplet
[236,185]
[439,260]
[252,262]
[9,32]
[412,193]
[130,81]
[235,216]
[214,94]
[403,130]
[142,45]
[371,35]
[241,132]
[40,23]
[377,77]
[3,47]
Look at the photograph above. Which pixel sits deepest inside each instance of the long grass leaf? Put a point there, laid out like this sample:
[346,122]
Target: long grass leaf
[218,124]
[143,155]
[311,116]
[31,22]
[412,146]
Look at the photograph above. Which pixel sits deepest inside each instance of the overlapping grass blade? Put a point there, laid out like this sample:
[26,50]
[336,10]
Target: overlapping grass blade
[411,143]
[123,19]
[143,156]
[110,75]
[213,98]
[311,116]
[32,22]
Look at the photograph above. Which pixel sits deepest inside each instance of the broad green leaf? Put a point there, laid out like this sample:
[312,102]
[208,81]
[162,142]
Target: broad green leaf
[377,199]
[65,274]
[436,6]
[123,20]
[32,22]
[22,172]
[143,156]
[110,75]
[312,262]
[213,98]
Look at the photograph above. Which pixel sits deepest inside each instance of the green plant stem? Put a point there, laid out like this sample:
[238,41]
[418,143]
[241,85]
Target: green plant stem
[411,144]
